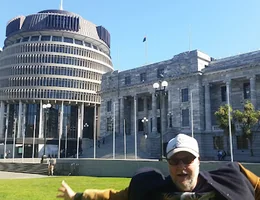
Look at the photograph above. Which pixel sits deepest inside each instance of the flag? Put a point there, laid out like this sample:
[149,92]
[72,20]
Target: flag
[144,39]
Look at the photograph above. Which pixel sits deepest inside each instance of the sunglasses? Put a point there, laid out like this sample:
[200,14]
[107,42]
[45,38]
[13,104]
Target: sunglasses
[186,160]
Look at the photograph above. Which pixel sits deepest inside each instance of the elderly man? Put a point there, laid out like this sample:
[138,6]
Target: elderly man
[230,182]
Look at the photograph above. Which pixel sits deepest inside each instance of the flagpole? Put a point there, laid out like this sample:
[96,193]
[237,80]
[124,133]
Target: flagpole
[191,107]
[95,131]
[6,129]
[34,130]
[124,140]
[146,52]
[135,127]
[229,123]
[114,131]
[145,49]
[14,133]
[66,139]
[189,38]
[23,145]
[61,128]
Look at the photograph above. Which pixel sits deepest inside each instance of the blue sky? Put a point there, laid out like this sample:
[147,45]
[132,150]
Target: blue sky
[218,28]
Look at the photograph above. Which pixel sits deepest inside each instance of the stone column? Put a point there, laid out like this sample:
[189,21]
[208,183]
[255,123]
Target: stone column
[79,132]
[2,114]
[122,117]
[228,91]
[164,115]
[82,119]
[41,121]
[23,120]
[145,107]
[154,111]
[169,109]
[60,127]
[134,121]
[19,127]
[207,108]
[95,130]
[146,124]
[118,131]
[253,91]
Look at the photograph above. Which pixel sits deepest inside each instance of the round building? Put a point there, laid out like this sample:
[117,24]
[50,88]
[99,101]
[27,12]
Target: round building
[50,74]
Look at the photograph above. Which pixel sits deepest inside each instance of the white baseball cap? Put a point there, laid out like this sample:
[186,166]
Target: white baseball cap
[182,142]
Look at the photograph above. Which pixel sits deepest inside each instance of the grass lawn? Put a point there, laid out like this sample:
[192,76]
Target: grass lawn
[47,188]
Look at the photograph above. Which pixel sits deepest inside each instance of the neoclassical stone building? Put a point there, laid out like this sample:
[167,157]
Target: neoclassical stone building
[197,87]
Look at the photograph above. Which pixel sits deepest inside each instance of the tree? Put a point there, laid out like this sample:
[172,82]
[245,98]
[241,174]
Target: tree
[247,120]
[222,119]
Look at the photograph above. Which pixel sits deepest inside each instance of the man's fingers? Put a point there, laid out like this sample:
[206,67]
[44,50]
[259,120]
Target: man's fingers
[61,195]
[64,184]
[61,189]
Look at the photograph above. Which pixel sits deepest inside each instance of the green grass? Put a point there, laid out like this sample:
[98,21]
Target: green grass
[47,188]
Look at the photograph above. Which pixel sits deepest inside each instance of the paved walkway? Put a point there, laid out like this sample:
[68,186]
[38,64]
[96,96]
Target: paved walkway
[13,175]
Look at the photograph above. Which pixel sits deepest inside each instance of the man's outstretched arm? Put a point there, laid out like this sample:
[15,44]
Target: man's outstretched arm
[91,194]
[254,180]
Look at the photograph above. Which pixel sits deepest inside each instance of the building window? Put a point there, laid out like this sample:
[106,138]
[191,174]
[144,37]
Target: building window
[140,125]
[109,106]
[35,38]
[127,80]
[242,142]
[170,121]
[140,104]
[218,142]
[45,38]
[185,95]
[87,44]
[68,40]
[57,38]
[25,39]
[160,73]
[143,77]
[79,42]
[185,117]
[246,88]
[149,103]
[223,93]
[109,124]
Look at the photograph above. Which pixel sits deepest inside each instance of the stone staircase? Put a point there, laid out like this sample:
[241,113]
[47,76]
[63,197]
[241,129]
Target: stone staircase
[32,168]
[105,150]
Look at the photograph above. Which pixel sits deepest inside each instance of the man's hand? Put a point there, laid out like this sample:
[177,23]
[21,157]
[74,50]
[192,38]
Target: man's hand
[66,192]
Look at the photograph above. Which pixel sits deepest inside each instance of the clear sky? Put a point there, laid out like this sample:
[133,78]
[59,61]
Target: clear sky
[219,28]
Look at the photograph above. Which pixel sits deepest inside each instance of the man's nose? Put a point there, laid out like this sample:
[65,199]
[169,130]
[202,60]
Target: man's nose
[181,164]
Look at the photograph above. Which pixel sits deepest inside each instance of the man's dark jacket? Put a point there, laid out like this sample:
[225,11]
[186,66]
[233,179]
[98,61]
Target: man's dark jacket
[232,181]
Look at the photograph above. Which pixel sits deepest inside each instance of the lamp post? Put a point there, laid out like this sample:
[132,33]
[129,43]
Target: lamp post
[160,90]
[45,106]
[145,120]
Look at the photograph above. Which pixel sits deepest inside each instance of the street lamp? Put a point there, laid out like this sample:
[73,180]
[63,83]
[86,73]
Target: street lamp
[145,120]
[160,90]
[45,106]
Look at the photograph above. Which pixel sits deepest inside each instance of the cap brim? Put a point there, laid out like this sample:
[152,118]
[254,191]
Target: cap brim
[174,151]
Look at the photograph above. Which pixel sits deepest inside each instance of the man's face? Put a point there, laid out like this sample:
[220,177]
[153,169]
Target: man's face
[184,170]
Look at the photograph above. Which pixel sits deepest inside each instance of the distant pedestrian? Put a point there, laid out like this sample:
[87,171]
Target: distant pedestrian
[219,155]
[51,165]
[224,154]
